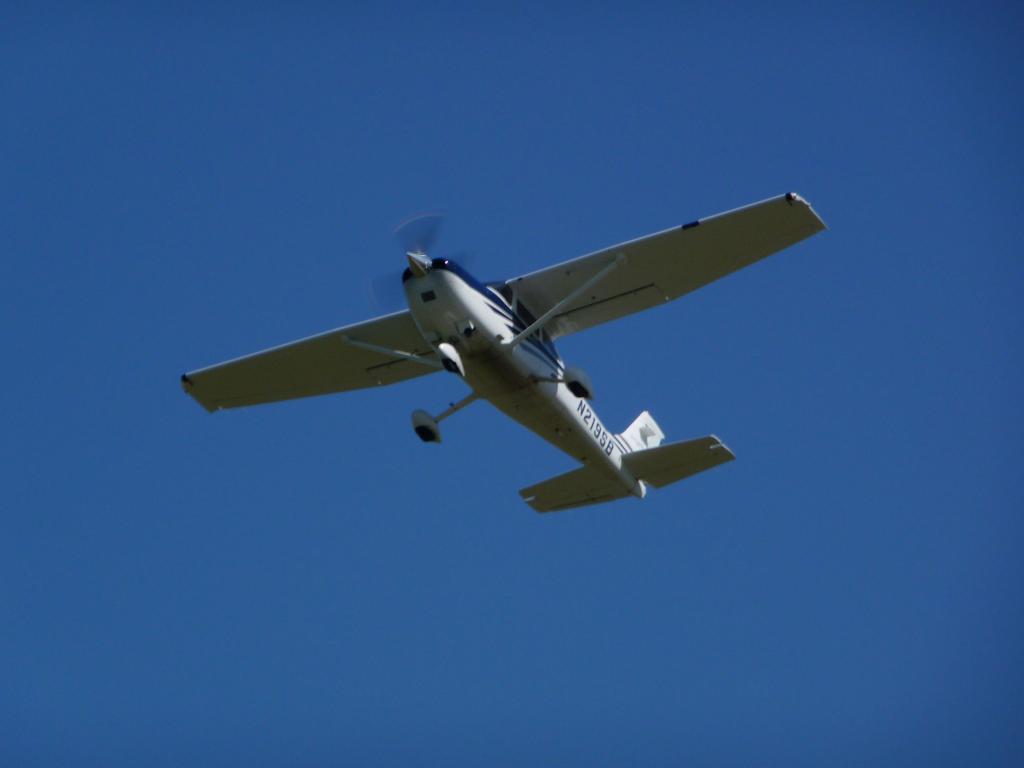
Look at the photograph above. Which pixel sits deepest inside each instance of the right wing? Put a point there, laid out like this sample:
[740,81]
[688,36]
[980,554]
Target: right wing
[318,365]
[664,266]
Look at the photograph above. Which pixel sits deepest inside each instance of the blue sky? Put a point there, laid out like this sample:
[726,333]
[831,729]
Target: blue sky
[308,584]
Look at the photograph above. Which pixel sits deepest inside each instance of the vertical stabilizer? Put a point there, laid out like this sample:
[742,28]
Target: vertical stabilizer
[643,433]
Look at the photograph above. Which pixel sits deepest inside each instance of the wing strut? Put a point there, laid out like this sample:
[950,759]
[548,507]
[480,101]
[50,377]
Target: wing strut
[541,321]
[456,407]
[392,352]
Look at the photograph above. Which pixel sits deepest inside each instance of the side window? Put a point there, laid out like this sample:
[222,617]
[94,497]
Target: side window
[529,319]
[504,290]
[524,313]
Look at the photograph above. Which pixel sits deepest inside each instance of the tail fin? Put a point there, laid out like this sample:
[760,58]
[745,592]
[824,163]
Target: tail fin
[643,433]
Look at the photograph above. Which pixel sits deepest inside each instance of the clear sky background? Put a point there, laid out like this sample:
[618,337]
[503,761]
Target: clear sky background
[308,584]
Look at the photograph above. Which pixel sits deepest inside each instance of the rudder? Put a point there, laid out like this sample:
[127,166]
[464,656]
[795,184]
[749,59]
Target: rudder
[643,433]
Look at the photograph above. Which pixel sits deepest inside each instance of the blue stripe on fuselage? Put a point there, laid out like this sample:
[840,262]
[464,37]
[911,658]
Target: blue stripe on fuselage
[543,345]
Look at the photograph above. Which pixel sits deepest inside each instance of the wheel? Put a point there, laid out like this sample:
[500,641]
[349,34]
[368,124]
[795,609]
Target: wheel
[426,427]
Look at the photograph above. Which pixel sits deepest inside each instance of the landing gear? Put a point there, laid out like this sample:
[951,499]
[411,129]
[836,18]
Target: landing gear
[451,359]
[426,426]
[578,383]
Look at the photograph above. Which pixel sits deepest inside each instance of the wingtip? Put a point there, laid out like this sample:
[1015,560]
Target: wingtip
[187,386]
[793,197]
[719,445]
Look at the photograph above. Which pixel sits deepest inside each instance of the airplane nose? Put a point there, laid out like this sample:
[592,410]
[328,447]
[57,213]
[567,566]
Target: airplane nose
[418,263]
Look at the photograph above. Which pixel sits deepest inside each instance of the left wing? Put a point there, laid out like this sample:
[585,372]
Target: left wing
[578,488]
[664,266]
[352,357]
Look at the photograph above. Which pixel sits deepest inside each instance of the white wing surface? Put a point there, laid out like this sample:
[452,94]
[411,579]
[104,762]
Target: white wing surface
[335,361]
[666,265]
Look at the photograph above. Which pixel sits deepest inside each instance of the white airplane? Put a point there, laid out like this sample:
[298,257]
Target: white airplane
[499,338]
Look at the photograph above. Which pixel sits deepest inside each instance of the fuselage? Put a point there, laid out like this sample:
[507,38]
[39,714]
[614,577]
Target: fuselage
[525,380]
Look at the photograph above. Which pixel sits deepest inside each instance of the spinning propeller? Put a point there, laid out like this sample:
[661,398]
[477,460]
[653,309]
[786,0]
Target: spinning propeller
[418,233]
[416,236]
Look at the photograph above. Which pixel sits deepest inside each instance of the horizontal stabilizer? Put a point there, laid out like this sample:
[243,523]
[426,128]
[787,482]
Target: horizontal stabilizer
[676,461]
[578,488]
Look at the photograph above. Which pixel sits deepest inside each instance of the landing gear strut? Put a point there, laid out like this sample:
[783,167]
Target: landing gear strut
[426,426]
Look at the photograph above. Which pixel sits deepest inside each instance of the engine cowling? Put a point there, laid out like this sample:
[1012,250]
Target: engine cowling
[578,382]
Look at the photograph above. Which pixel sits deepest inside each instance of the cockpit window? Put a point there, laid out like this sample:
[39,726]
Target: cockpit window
[529,319]
[524,313]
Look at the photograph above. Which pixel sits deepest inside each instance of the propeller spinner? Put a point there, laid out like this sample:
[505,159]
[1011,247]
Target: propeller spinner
[416,236]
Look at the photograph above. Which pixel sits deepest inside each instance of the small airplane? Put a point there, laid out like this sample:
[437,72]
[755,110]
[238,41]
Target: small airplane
[499,338]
